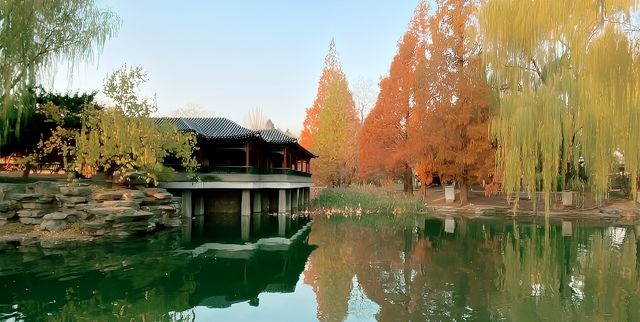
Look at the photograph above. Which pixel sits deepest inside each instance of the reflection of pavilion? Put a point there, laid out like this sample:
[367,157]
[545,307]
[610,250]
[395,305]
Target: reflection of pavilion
[152,280]
[234,273]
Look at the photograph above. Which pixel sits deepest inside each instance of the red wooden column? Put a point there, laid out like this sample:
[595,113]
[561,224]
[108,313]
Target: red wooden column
[284,159]
[246,160]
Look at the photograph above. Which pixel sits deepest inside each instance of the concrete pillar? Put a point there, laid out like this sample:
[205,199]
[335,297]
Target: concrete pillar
[282,201]
[198,225]
[266,201]
[245,206]
[294,200]
[187,210]
[245,225]
[256,218]
[282,224]
[186,230]
[288,201]
[307,196]
[257,202]
[199,208]
[300,199]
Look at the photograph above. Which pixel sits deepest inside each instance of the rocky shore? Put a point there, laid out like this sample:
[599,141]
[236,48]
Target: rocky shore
[45,210]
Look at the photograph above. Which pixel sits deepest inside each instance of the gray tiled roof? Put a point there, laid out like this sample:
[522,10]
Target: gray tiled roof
[276,136]
[220,128]
[215,128]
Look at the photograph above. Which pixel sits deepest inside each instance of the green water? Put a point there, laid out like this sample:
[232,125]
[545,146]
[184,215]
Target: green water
[373,268]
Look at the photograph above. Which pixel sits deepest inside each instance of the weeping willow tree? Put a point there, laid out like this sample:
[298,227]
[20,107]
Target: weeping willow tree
[568,78]
[35,36]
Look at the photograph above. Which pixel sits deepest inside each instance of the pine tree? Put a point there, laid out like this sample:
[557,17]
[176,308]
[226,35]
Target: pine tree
[336,122]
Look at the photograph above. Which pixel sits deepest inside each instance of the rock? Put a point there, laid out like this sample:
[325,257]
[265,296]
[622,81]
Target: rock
[72,200]
[128,217]
[121,203]
[171,222]
[153,201]
[43,187]
[38,205]
[160,208]
[56,216]
[7,215]
[7,190]
[7,206]
[96,228]
[75,190]
[106,211]
[3,222]
[34,213]
[53,225]
[25,196]
[30,220]
[153,191]
[108,195]
[133,195]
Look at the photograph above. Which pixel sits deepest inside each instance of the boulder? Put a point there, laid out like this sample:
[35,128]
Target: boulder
[43,187]
[153,201]
[56,216]
[53,225]
[108,195]
[72,200]
[133,195]
[31,220]
[7,215]
[34,213]
[7,190]
[38,205]
[120,203]
[160,208]
[7,205]
[171,221]
[106,211]
[75,190]
[25,196]
[139,215]
[96,228]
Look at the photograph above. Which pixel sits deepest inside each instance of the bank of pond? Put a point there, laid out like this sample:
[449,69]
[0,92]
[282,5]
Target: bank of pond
[384,267]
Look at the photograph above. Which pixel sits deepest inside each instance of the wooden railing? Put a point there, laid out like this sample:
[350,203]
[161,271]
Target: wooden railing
[253,170]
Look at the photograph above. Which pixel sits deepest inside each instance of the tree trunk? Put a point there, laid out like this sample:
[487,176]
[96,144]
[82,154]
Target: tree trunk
[464,192]
[26,171]
[109,178]
[407,179]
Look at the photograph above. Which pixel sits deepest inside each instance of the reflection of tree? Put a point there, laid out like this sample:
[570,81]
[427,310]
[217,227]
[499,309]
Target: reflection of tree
[329,270]
[586,277]
[403,271]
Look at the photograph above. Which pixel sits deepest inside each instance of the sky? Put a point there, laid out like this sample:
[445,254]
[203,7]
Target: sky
[229,57]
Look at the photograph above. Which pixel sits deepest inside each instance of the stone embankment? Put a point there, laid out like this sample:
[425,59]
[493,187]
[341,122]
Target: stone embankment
[92,210]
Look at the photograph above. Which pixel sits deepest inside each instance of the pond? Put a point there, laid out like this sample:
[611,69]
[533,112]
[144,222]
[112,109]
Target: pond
[413,268]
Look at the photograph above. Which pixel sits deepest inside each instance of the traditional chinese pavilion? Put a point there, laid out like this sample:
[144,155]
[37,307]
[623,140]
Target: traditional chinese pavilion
[242,170]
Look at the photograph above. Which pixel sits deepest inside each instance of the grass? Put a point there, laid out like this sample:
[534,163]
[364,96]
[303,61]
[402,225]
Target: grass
[358,200]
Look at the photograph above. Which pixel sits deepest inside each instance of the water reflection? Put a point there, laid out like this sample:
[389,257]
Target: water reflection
[473,270]
[407,268]
[164,277]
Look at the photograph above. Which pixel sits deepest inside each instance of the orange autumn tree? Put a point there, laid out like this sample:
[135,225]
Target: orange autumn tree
[331,125]
[449,130]
[383,139]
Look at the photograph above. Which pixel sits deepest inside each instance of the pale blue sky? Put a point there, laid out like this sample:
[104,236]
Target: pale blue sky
[231,56]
